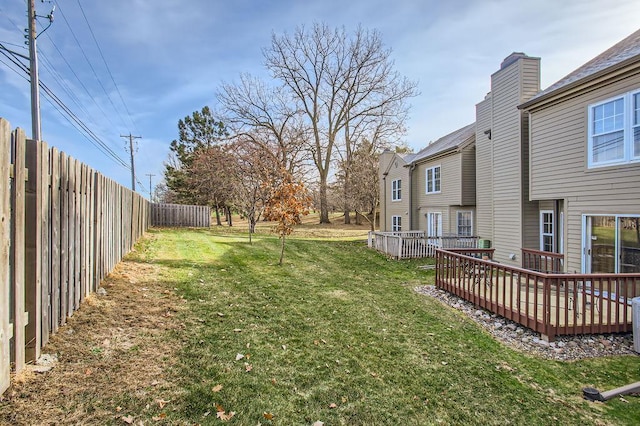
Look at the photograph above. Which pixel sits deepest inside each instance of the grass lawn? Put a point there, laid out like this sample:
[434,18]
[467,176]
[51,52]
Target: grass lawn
[335,335]
[338,335]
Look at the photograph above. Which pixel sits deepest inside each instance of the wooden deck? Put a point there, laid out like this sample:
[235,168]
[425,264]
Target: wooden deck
[553,304]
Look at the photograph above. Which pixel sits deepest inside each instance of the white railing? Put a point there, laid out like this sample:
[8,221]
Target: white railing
[415,244]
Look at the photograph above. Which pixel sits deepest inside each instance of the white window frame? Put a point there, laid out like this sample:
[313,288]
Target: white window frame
[396,190]
[434,218]
[433,173]
[396,223]
[551,234]
[629,124]
[470,226]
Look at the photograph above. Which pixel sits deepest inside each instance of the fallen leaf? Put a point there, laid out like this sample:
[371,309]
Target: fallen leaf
[88,372]
[344,399]
[155,383]
[206,414]
[118,409]
[248,367]
[268,416]
[374,374]
[237,330]
[127,419]
[162,403]
[219,407]
[284,347]
[333,405]
[318,423]
[159,417]
[444,363]
[273,381]
[224,416]
[239,357]
[220,314]
[316,342]
[217,388]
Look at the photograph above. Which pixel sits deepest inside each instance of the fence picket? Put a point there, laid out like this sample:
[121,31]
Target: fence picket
[5,233]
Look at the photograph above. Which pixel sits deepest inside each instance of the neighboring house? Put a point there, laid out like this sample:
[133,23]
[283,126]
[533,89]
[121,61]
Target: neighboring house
[394,192]
[438,187]
[555,170]
[585,162]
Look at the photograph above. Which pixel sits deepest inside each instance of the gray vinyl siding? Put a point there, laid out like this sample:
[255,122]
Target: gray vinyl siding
[507,179]
[468,172]
[395,208]
[484,171]
[513,219]
[450,182]
[559,164]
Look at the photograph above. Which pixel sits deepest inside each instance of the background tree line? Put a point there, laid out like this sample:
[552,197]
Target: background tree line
[333,103]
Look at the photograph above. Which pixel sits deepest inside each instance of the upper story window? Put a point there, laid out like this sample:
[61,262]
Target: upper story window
[614,130]
[396,190]
[433,180]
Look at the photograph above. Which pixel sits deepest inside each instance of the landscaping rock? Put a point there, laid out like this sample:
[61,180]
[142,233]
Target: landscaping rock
[524,339]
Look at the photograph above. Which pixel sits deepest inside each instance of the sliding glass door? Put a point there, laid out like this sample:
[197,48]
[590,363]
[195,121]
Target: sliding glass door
[612,244]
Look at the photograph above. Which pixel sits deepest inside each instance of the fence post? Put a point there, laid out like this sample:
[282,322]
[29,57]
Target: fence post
[635,303]
[5,214]
[33,245]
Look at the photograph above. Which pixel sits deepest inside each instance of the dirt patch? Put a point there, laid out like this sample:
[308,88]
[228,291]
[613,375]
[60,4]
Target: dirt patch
[114,355]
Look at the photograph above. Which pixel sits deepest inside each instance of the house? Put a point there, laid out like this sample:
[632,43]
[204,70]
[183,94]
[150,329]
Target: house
[584,162]
[555,171]
[433,190]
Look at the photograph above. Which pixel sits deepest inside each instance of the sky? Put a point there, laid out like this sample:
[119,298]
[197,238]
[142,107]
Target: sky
[138,66]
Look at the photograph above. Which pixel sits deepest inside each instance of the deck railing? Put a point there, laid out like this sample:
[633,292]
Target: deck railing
[416,244]
[549,303]
[542,261]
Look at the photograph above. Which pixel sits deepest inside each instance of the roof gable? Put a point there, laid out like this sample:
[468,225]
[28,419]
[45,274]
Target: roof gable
[451,142]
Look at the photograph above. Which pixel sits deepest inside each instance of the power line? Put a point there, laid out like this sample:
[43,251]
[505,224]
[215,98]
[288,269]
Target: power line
[67,113]
[106,65]
[90,65]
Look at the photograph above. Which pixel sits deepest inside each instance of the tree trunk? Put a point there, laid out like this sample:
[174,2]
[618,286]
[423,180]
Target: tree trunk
[324,205]
[347,217]
[218,221]
[358,218]
[228,213]
[282,251]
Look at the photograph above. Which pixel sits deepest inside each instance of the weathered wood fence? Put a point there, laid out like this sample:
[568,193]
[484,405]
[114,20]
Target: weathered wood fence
[175,215]
[63,228]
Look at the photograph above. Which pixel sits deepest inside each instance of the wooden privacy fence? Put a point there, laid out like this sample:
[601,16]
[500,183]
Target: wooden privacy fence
[63,228]
[163,214]
[550,303]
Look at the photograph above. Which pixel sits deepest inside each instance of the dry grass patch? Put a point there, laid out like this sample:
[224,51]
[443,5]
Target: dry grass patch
[114,357]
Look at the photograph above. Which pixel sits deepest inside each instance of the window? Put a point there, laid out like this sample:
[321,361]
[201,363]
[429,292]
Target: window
[396,190]
[465,221]
[433,180]
[434,224]
[396,223]
[547,234]
[614,131]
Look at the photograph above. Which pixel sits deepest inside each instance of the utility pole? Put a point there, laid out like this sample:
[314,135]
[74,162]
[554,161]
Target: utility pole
[150,192]
[133,170]
[36,128]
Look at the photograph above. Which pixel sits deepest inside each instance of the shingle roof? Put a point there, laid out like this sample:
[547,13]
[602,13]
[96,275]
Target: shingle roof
[452,141]
[625,50]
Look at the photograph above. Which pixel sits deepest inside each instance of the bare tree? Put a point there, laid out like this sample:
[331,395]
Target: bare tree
[267,117]
[253,171]
[337,80]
